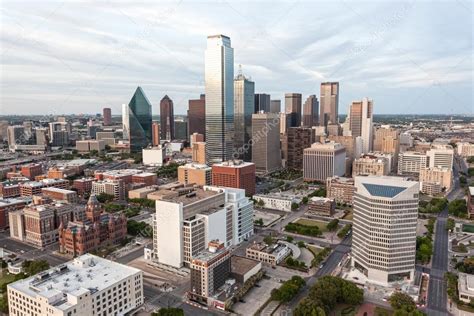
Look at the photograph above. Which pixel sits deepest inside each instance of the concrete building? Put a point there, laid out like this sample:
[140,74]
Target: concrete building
[87,285]
[188,218]
[411,162]
[466,287]
[266,142]
[470,202]
[297,140]
[155,134]
[244,104]
[442,176]
[277,201]
[262,103]
[111,187]
[34,187]
[384,229]
[311,111]
[57,194]
[465,149]
[275,106]
[235,174]
[370,165]
[360,122]
[83,146]
[7,206]
[387,140]
[197,116]
[219,81]
[441,156]
[192,173]
[9,189]
[271,254]
[293,108]
[154,156]
[142,193]
[329,103]
[321,206]
[107,115]
[340,189]
[322,161]
[199,152]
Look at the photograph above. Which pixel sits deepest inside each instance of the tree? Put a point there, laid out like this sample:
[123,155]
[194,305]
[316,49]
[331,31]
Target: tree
[402,301]
[458,208]
[305,200]
[170,311]
[294,206]
[35,266]
[332,225]
[289,239]
[301,244]
[450,224]
[260,203]
[268,240]
[104,197]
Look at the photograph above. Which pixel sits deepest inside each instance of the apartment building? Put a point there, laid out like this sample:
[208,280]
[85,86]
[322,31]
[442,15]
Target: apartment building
[87,285]
[111,187]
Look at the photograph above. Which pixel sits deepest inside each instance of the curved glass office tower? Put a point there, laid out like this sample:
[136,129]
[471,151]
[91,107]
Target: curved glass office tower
[219,75]
[139,119]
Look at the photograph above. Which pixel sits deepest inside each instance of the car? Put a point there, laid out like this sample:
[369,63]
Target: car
[321,266]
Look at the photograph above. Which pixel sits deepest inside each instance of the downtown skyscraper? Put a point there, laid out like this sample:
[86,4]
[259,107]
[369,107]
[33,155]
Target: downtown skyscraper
[311,111]
[293,108]
[166,118]
[244,103]
[360,122]
[137,120]
[219,80]
[329,103]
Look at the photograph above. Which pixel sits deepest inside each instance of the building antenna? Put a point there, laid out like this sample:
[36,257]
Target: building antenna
[240,70]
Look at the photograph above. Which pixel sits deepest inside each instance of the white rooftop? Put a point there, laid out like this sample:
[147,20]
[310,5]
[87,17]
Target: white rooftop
[234,164]
[471,191]
[87,273]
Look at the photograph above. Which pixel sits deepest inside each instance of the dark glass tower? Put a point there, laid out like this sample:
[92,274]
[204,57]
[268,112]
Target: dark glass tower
[139,121]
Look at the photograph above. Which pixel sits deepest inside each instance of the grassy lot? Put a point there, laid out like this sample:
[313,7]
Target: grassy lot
[349,216]
[315,250]
[344,310]
[311,222]
[6,277]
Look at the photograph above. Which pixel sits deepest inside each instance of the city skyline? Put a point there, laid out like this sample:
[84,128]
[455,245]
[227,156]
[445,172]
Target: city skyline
[400,53]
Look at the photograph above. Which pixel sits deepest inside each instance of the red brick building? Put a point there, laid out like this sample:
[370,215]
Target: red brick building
[235,174]
[6,206]
[146,178]
[31,171]
[9,189]
[79,237]
[83,185]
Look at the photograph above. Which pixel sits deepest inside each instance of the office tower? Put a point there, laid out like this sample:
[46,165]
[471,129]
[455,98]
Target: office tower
[193,173]
[125,122]
[59,133]
[209,271]
[293,107]
[155,133]
[283,123]
[262,102]
[92,130]
[197,115]
[275,106]
[384,229]
[28,130]
[167,118]
[370,165]
[311,111]
[235,174]
[196,138]
[14,136]
[360,114]
[139,121]
[41,135]
[297,139]
[3,130]
[244,103]
[219,77]
[334,130]
[329,103]
[185,223]
[411,162]
[181,130]
[441,156]
[323,161]
[74,286]
[199,152]
[107,114]
[266,142]
[386,140]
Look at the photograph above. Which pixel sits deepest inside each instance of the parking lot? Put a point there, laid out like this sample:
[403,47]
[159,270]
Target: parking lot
[256,297]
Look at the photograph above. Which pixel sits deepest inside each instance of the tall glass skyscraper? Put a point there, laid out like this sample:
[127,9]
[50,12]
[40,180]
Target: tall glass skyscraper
[329,103]
[244,93]
[219,75]
[139,121]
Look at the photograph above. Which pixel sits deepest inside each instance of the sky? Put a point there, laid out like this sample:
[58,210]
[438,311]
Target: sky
[64,57]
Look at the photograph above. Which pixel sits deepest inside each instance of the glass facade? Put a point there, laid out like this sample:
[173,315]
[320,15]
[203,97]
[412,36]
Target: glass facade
[244,92]
[139,118]
[219,77]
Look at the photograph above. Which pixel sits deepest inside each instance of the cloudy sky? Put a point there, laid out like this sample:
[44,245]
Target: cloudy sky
[79,56]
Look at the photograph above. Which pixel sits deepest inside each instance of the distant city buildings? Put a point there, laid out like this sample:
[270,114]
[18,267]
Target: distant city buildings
[219,81]
[311,111]
[370,165]
[266,142]
[197,115]
[293,108]
[434,180]
[360,122]
[275,106]
[410,162]
[384,229]
[465,149]
[262,103]
[329,103]
[297,140]
[192,173]
[107,115]
[244,103]
[155,134]
[441,156]
[139,121]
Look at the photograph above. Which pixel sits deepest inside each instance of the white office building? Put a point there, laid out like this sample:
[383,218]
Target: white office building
[411,162]
[384,229]
[125,121]
[187,219]
[441,156]
[154,156]
[87,285]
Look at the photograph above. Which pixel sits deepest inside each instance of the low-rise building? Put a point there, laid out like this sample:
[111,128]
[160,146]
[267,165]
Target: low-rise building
[271,254]
[370,165]
[60,194]
[195,173]
[142,193]
[146,178]
[465,149]
[466,287]
[31,170]
[321,206]
[277,201]
[7,206]
[84,146]
[83,185]
[442,177]
[470,202]
[34,187]
[87,285]
[110,187]
[154,156]
[9,189]
[340,189]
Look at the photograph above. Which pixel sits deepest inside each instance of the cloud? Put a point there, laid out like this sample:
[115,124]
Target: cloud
[80,56]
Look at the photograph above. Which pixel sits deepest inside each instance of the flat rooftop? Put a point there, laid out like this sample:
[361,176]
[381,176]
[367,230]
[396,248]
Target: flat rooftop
[58,190]
[120,172]
[87,273]
[242,265]
[6,202]
[234,164]
[193,195]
